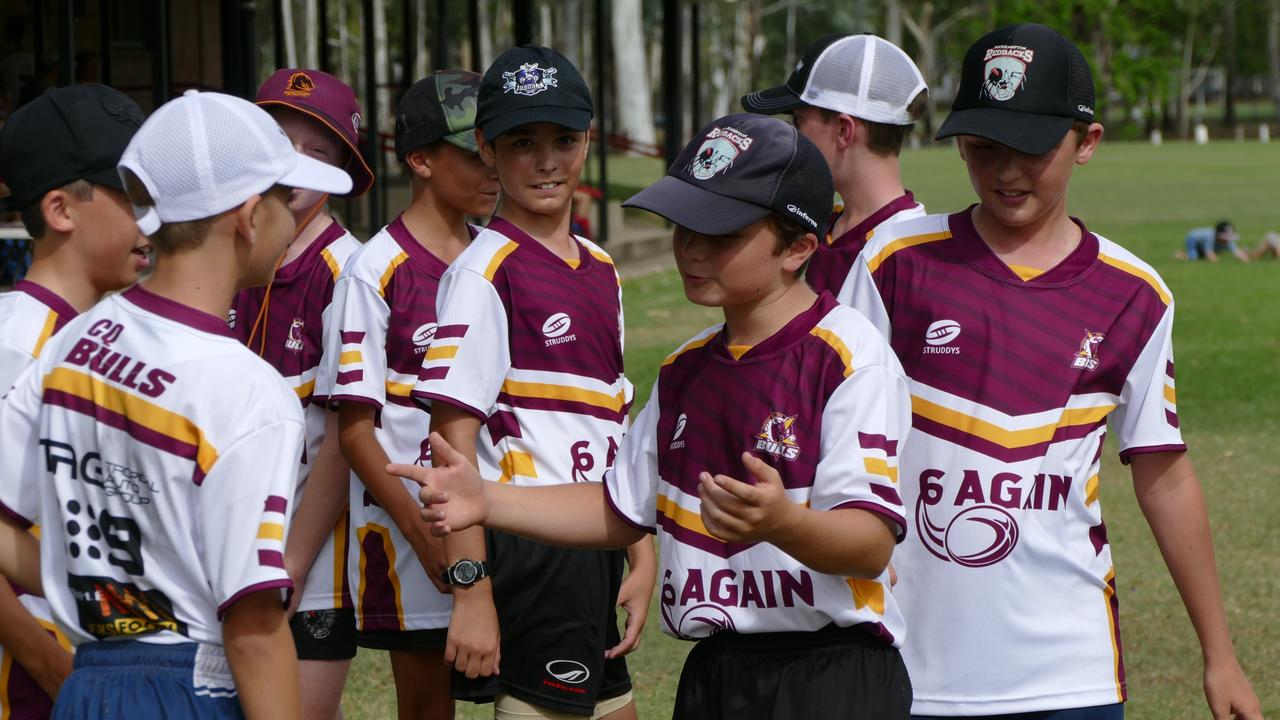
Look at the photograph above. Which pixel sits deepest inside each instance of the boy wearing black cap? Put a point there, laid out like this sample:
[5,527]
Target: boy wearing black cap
[765,459]
[384,317]
[58,154]
[1023,334]
[530,346]
[855,97]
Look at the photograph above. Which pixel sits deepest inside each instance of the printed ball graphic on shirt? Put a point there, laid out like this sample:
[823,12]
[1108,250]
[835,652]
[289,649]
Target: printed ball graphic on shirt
[556,325]
[942,332]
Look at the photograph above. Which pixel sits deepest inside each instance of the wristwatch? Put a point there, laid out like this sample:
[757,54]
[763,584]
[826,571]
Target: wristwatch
[466,573]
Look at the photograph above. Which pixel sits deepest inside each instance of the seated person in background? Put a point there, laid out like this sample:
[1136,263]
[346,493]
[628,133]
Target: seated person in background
[1207,243]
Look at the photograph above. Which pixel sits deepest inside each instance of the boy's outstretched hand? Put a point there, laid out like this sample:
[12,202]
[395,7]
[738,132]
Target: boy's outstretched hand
[452,494]
[735,511]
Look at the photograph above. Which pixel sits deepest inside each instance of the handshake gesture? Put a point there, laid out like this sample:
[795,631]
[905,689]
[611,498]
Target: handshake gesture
[453,494]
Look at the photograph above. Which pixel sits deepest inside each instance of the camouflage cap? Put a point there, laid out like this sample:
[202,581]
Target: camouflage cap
[441,106]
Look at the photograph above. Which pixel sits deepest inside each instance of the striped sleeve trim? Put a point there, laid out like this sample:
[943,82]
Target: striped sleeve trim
[1139,273]
[498,257]
[836,344]
[332,262]
[390,272]
[902,244]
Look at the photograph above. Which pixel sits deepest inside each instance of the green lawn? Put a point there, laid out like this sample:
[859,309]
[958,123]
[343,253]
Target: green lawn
[1227,344]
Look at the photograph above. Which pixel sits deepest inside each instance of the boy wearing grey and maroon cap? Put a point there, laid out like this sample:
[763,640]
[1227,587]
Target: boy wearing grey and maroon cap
[765,459]
[1023,335]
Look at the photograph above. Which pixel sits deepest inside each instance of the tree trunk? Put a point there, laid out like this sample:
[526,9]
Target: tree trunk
[720,60]
[544,24]
[1273,54]
[1229,88]
[421,39]
[290,35]
[568,26]
[382,63]
[311,34]
[634,118]
[893,21]
[486,35]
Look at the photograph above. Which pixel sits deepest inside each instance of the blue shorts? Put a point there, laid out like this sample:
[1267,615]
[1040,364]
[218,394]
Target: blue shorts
[141,681]
[1100,712]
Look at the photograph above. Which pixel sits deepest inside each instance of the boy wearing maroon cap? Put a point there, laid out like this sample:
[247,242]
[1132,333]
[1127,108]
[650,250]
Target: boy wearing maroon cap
[283,323]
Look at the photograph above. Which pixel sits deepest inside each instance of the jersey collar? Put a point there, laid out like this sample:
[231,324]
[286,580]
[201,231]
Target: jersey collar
[796,329]
[49,299]
[418,255]
[525,240]
[859,232]
[971,248]
[287,272]
[177,312]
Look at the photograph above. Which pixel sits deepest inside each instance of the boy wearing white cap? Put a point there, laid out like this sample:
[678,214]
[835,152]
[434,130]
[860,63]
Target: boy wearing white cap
[157,452]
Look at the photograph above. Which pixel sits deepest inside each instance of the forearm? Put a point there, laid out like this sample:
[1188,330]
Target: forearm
[29,643]
[569,515]
[261,653]
[368,460]
[849,542]
[641,557]
[324,498]
[20,556]
[1170,496]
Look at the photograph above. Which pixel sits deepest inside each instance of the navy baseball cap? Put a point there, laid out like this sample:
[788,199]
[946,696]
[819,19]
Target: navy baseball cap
[530,84]
[738,170]
[1021,86]
[69,133]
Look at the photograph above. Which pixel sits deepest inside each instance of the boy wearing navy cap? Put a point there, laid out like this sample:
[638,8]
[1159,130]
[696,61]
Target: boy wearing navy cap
[765,460]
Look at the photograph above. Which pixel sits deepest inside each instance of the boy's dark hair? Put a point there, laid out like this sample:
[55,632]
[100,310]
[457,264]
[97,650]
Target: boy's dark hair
[1081,129]
[33,215]
[1223,226]
[883,139]
[789,233]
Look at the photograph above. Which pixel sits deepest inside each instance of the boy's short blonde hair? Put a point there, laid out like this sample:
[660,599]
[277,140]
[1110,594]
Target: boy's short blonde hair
[170,237]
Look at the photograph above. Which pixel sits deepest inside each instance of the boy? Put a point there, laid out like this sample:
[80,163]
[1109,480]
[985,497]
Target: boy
[283,323]
[1208,243]
[530,346]
[780,578]
[158,454]
[59,155]
[384,319]
[1022,333]
[856,97]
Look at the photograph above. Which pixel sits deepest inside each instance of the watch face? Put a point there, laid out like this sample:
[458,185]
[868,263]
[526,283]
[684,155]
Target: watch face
[464,573]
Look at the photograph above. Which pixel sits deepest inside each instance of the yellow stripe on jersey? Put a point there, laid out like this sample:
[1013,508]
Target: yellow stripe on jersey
[547,391]
[881,467]
[1026,272]
[1001,436]
[1107,593]
[867,594]
[332,262]
[684,518]
[1143,275]
[1170,394]
[1091,491]
[442,352]
[903,244]
[517,463]
[6,668]
[340,554]
[389,548]
[50,322]
[391,270]
[496,261]
[271,531]
[144,413]
[691,346]
[600,256]
[573,263]
[737,351]
[836,344]
[306,389]
[52,629]
[350,356]
[399,389]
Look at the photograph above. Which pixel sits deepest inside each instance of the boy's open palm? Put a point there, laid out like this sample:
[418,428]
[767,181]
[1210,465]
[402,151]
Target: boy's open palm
[452,494]
[736,511]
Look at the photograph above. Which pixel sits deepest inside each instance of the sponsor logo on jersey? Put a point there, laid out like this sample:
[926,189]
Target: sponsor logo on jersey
[1086,358]
[294,340]
[718,152]
[116,480]
[231,318]
[777,436]
[570,671]
[555,329]
[676,442]
[422,337]
[695,604]
[939,336]
[94,352]
[107,608]
[530,79]
[1005,71]
[300,85]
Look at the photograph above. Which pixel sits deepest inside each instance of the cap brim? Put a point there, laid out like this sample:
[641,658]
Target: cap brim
[311,174]
[774,101]
[1028,133]
[357,168]
[696,208]
[109,177]
[465,140]
[572,118]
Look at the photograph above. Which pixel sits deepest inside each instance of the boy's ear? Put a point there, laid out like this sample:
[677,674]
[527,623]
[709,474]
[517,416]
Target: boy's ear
[1089,144]
[55,206]
[794,257]
[418,162]
[848,130]
[245,225]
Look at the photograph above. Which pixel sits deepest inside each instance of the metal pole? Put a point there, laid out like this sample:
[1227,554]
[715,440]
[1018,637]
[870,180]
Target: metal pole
[372,143]
[473,23]
[108,9]
[408,44]
[37,36]
[602,115]
[440,37]
[277,26]
[522,14]
[673,113]
[326,63]
[66,44]
[160,54]
[695,65]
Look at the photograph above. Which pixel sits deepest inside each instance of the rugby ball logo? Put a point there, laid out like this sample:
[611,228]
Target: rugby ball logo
[569,671]
[680,423]
[424,334]
[942,332]
[556,325]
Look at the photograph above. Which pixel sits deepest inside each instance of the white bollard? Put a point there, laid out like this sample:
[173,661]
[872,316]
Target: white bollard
[1264,133]
[1239,133]
[1157,137]
[1202,134]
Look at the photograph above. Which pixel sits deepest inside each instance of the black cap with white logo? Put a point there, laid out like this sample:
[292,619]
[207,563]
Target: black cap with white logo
[739,169]
[530,84]
[1022,86]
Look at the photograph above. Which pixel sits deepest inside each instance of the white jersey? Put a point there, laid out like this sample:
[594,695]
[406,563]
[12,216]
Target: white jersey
[384,315]
[825,403]
[1007,580]
[29,316]
[831,268]
[533,348]
[160,457]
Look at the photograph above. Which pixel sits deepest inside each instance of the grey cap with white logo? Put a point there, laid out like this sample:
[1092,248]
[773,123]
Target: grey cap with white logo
[739,169]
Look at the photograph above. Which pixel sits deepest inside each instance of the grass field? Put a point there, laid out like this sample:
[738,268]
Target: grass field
[1227,343]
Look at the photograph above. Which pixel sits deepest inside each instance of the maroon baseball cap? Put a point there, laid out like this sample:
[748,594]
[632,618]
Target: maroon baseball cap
[329,100]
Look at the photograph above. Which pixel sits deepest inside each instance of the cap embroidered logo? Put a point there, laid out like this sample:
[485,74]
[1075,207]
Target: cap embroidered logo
[300,85]
[530,79]
[355,123]
[1005,71]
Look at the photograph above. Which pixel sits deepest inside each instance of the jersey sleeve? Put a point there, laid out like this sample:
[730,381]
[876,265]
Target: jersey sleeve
[243,513]
[862,292]
[330,346]
[1146,419]
[356,345]
[631,485]
[12,362]
[469,357]
[19,453]
[864,424]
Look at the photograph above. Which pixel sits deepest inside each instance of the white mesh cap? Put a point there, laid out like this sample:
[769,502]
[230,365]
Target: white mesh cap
[205,153]
[867,77]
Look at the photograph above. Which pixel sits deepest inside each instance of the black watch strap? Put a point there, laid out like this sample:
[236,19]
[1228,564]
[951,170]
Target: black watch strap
[465,573]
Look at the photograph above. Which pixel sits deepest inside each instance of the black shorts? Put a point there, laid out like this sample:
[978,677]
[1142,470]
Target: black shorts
[324,634]
[556,612]
[410,640]
[833,672]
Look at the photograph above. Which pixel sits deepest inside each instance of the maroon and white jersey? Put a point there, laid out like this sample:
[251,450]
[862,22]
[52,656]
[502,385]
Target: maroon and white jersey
[159,456]
[831,267]
[290,336]
[384,315]
[824,402]
[1007,580]
[532,347]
